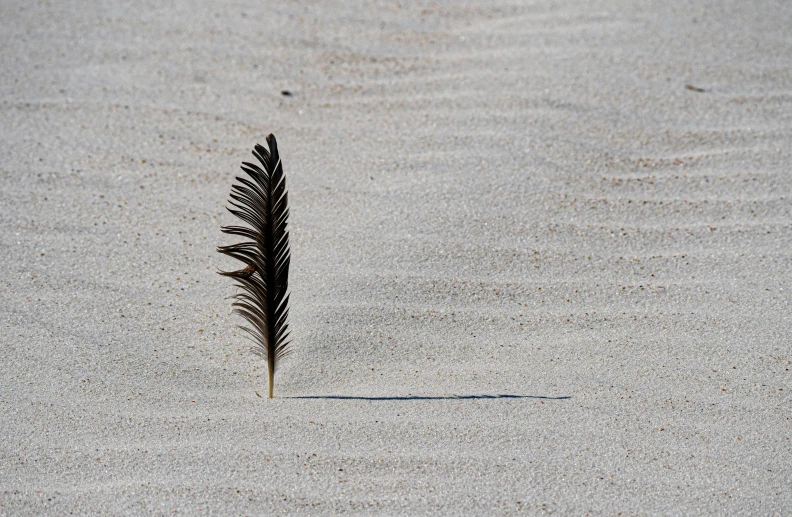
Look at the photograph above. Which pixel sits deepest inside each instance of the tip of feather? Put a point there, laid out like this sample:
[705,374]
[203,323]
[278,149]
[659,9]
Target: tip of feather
[262,152]
[272,143]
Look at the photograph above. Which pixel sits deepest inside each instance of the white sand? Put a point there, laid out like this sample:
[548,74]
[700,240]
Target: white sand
[494,198]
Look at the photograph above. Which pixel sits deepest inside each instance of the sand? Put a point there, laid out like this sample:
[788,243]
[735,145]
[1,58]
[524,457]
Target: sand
[532,271]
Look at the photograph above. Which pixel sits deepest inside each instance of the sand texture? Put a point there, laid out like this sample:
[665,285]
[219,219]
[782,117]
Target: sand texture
[532,271]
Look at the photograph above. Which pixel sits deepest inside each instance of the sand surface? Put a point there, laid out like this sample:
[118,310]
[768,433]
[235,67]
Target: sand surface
[532,271]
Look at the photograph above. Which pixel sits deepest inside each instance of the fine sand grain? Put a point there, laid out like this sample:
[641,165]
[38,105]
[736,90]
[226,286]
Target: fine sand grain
[532,271]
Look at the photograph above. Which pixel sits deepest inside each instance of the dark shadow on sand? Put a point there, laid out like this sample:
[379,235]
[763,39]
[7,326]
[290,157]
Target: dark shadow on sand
[420,397]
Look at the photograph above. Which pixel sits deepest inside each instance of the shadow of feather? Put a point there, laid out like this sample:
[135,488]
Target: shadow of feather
[419,397]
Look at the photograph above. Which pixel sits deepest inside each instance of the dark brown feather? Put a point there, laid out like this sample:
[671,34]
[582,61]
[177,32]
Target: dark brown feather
[261,201]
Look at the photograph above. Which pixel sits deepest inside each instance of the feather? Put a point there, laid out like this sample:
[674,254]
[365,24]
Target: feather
[261,201]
